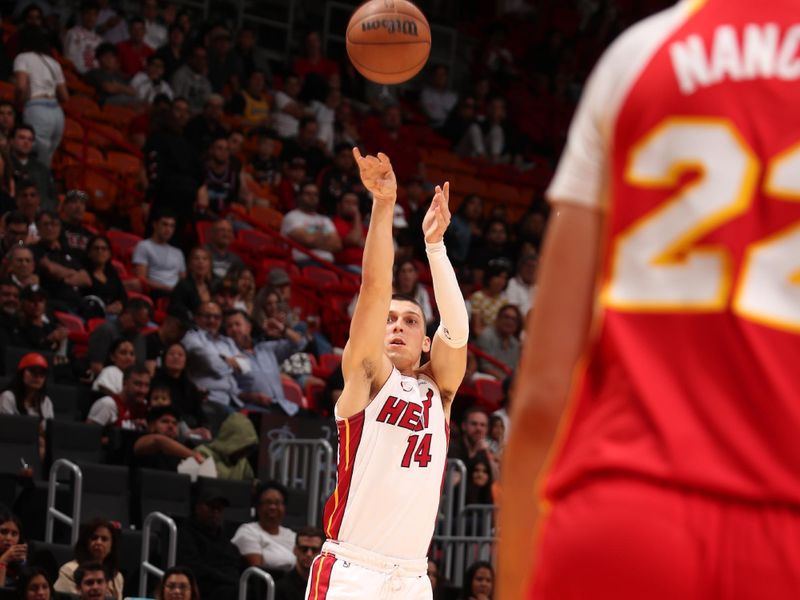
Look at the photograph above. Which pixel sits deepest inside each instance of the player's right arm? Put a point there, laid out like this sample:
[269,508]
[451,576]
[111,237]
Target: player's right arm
[365,365]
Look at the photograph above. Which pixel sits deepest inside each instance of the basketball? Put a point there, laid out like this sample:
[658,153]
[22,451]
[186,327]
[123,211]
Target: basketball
[388,41]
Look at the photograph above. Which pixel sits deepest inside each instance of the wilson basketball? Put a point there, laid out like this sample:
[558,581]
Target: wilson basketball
[388,41]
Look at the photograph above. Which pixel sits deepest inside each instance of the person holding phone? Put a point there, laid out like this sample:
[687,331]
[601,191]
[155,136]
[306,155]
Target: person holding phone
[13,552]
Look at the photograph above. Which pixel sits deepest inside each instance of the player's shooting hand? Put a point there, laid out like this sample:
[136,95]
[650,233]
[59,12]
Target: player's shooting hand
[437,219]
[377,175]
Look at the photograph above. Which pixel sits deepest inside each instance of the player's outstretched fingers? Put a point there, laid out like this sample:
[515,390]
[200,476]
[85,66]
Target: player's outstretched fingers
[384,159]
[357,155]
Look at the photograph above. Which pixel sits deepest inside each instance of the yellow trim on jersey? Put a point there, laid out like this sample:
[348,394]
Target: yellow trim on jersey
[695,5]
[319,572]
[346,468]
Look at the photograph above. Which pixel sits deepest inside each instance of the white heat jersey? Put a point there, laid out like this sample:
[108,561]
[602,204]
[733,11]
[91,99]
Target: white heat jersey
[392,457]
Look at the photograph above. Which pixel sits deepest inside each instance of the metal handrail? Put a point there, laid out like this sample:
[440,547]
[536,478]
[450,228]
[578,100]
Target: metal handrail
[460,551]
[147,566]
[454,497]
[309,467]
[53,514]
[263,575]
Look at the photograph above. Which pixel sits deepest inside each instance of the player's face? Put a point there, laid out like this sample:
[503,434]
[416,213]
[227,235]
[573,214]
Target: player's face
[405,338]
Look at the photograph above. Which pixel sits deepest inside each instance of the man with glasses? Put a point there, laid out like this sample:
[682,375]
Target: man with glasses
[265,542]
[307,547]
[76,235]
[60,270]
[213,359]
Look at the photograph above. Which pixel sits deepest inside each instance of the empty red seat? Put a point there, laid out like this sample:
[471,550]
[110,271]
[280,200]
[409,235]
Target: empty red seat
[321,275]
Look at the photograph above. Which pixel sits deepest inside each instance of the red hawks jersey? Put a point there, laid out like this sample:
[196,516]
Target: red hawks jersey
[391,464]
[688,137]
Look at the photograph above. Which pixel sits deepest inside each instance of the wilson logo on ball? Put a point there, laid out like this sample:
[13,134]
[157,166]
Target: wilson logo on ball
[392,26]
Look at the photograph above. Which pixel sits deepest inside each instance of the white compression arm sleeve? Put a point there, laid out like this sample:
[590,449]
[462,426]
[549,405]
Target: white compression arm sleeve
[454,328]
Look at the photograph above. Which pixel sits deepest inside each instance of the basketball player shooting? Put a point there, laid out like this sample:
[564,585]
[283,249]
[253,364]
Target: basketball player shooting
[668,308]
[392,416]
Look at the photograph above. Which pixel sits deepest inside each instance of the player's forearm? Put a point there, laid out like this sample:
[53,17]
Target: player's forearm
[379,249]
[454,328]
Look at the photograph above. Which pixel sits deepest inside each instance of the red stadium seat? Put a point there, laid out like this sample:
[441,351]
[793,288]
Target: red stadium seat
[490,393]
[145,297]
[321,275]
[71,322]
[202,228]
[329,362]
[122,244]
[293,392]
[313,394]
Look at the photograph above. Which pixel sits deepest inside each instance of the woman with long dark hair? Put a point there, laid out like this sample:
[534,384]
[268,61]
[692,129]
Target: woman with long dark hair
[40,85]
[178,583]
[13,550]
[185,395]
[97,542]
[479,581]
[479,482]
[34,584]
[121,356]
[106,283]
[195,288]
[406,282]
[26,393]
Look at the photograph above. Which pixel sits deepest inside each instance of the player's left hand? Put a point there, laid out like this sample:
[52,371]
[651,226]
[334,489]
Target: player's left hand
[437,218]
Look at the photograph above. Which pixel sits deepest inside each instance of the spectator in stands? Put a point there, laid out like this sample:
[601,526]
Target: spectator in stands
[134,317]
[37,329]
[288,109]
[171,53]
[190,81]
[151,82]
[184,394]
[223,183]
[223,292]
[160,396]
[159,448]
[128,409]
[497,430]
[261,385]
[110,82]
[479,481]
[351,230]
[73,209]
[13,550]
[81,41]
[7,185]
[105,282]
[133,52]
[486,303]
[40,85]
[178,583]
[436,99]
[98,542]
[62,275]
[155,34]
[176,323]
[306,226]
[249,56]
[252,103]
[314,61]
[473,438]
[207,127]
[236,144]
[466,225]
[501,340]
[397,141]
[338,179]
[266,543]
[8,119]
[9,307]
[494,244]
[121,357]
[110,24]
[294,175]
[493,138]
[15,233]
[155,261]
[92,581]
[28,171]
[478,581]
[22,267]
[214,359]
[346,125]
[307,546]
[195,288]
[221,61]
[308,146]
[244,282]
[406,282]
[26,393]
[205,549]
[521,289]
[231,448]
[458,123]
[34,584]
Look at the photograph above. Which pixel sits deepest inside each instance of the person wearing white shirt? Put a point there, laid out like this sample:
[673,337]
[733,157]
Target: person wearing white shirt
[81,41]
[306,226]
[437,101]
[150,83]
[266,543]
[155,34]
[521,289]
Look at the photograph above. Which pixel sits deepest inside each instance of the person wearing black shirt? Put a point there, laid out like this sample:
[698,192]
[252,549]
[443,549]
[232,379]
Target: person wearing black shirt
[159,448]
[37,329]
[308,545]
[76,235]
[307,146]
[106,283]
[175,325]
[184,394]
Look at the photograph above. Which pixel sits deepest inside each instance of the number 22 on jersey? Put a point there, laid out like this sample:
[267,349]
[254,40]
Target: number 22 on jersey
[657,266]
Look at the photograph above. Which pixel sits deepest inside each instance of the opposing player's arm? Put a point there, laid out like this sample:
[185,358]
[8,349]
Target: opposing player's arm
[364,362]
[558,331]
[449,346]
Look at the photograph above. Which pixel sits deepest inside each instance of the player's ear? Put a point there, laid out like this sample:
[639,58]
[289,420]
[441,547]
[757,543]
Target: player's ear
[426,344]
